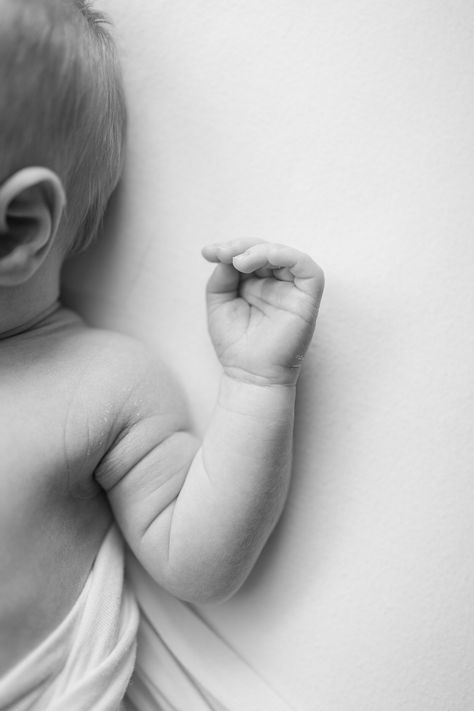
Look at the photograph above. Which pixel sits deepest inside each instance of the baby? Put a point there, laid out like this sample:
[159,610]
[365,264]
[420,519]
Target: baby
[95,436]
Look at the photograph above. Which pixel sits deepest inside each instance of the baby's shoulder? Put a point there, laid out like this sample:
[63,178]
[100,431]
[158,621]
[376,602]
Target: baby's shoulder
[120,372]
[115,383]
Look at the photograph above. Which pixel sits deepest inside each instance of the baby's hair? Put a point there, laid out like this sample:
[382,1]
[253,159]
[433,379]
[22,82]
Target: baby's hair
[62,104]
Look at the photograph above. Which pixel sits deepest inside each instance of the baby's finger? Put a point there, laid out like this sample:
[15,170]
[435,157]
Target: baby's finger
[286,262]
[224,281]
[225,251]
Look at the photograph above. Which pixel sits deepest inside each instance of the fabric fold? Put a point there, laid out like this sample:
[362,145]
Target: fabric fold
[182,664]
[86,662]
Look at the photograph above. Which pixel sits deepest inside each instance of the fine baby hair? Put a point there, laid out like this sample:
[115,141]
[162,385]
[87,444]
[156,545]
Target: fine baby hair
[62,105]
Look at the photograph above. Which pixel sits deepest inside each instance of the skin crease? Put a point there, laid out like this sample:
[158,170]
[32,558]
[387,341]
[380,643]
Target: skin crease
[95,429]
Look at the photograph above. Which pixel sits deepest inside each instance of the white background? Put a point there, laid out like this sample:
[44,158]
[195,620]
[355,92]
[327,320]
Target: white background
[345,128]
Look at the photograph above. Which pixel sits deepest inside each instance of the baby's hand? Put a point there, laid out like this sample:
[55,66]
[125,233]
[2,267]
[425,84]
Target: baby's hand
[262,300]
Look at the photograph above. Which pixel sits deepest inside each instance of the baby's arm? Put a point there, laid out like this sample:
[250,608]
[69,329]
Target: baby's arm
[197,519]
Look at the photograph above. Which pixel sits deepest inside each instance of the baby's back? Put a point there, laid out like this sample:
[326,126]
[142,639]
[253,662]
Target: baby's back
[58,414]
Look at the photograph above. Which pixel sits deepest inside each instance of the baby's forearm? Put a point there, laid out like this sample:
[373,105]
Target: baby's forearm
[235,488]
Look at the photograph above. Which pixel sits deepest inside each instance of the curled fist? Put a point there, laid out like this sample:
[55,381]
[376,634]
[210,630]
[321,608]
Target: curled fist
[262,302]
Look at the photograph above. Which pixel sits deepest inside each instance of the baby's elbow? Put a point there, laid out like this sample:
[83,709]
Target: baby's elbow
[216,595]
[209,594]
[206,589]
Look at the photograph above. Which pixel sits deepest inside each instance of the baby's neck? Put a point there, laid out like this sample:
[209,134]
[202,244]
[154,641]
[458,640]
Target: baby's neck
[24,305]
[31,323]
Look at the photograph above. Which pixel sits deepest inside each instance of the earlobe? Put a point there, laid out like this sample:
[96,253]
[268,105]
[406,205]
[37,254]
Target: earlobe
[32,203]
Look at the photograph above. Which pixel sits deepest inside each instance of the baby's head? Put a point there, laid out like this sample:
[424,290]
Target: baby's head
[62,125]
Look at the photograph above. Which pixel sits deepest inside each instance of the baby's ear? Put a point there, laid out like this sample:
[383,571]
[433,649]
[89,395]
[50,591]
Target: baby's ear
[32,202]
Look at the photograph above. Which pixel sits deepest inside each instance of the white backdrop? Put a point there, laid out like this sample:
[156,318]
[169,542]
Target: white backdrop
[347,129]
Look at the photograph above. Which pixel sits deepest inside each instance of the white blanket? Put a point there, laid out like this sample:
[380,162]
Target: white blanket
[86,662]
[183,665]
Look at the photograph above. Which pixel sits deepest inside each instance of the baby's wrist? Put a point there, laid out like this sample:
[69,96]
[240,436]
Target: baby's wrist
[278,376]
[258,399]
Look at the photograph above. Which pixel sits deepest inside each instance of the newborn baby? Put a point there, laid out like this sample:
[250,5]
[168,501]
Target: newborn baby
[96,443]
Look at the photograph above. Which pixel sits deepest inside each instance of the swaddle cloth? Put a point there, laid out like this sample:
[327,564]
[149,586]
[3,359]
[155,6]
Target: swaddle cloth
[184,665]
[86,662]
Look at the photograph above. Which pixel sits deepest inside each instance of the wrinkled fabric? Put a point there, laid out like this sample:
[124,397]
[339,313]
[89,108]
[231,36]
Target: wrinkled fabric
[184,665]
[86,662]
